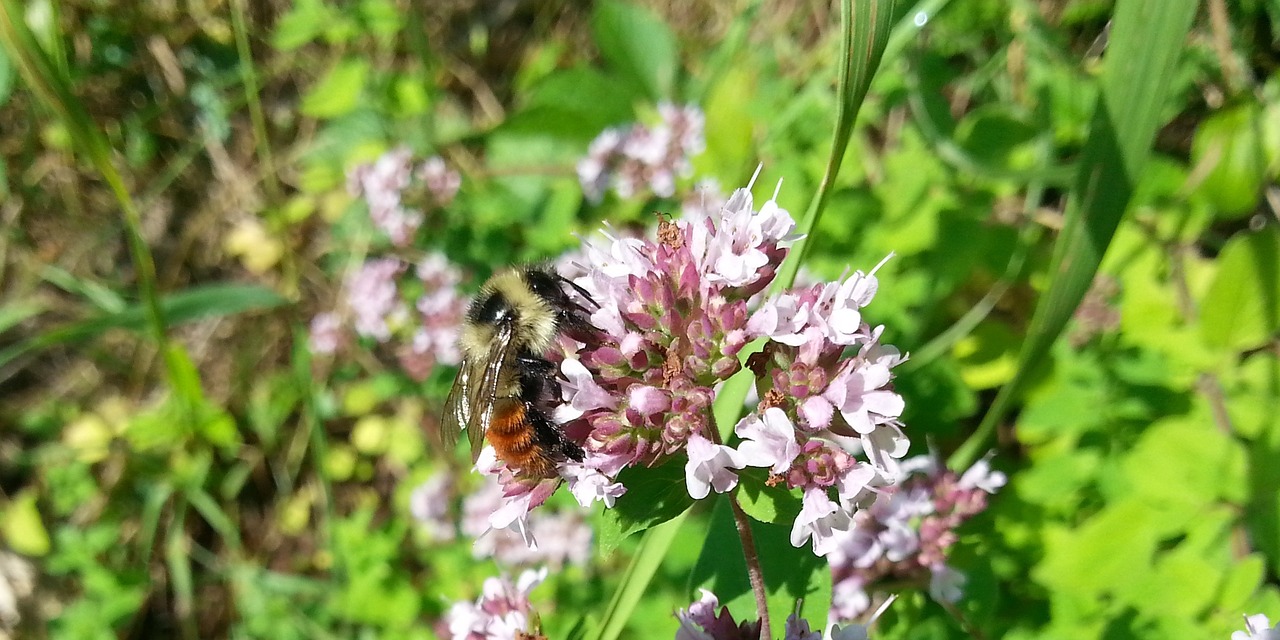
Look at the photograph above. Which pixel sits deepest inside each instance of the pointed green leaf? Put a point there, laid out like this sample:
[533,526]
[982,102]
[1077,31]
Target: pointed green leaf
[338,92]
[1241,310]
[1146,41]
[639,44]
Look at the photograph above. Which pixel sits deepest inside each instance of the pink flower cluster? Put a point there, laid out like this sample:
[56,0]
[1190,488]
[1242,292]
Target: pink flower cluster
[565,534]
[388,183]
[675,313]
[641,156]
[701,622]
[500,613]
[375,306]
[906,533]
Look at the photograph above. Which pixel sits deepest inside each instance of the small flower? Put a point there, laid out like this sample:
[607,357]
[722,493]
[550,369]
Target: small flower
[903,531]
[381,183]
[820,518]
[797,628]
[639,157]
[442,182]
[701,622]
[501,611]
[429,504]
[1257,627]
[588,484]
[945,583]
[326,335]
[849,632]
[981,476]
[371,296]
[709,467]
[769,440]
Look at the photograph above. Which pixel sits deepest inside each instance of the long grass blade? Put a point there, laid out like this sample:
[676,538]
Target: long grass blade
[648,558]
[1147,38]
[49,83]
[865,27]
[197,303]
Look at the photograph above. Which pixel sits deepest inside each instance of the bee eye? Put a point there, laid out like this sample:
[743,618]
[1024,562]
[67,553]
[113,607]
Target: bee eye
[491,309]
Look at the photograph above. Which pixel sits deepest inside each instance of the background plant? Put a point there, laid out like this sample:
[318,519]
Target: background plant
[175,460]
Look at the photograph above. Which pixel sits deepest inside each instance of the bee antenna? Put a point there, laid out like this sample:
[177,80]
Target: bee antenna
[582,292]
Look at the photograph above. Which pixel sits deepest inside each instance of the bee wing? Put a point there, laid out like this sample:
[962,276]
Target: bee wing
[458,406]
[487,389]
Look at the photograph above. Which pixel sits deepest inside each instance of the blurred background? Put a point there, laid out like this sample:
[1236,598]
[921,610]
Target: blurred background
[308,191]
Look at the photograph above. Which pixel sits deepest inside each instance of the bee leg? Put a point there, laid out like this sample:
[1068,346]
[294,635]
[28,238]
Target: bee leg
[552,438]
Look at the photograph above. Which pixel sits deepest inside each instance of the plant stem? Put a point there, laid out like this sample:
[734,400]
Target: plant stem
[754,574]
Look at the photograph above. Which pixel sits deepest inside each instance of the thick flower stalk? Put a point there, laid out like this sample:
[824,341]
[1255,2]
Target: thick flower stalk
[500,613]
[906,534]
[675,313]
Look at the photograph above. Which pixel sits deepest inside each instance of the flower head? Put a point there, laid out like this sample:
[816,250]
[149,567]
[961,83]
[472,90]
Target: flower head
[641,157]
[903,534]
[673,314]
[501,611]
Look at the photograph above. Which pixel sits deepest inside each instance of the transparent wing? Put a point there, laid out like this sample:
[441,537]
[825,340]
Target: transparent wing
[457,407]
[486,391]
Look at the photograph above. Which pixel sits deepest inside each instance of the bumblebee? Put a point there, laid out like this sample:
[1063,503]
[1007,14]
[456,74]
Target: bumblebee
[505,388]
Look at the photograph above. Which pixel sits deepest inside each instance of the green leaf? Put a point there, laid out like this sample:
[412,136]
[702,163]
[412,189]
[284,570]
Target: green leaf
[864,31]
[6,78]
[21,526]
[48,80]
[636,42]
[381,17]
[1146,41]
[1242,579]
[1241,309]
[730,133]
[644,565]
[790,574]
[653,497]
[1109,552]
[775,505]
[994,135]
[338,92]
[304,22]
[193,304]
[13,313]
[1229,145]
[575,103]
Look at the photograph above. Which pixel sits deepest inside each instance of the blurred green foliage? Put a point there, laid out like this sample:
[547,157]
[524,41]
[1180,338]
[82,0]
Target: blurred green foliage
[271,500]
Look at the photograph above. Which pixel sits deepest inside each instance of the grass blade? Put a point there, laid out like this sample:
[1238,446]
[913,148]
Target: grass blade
[644,564]
[196,303]
[50,85]
[864,31]
[1147,38]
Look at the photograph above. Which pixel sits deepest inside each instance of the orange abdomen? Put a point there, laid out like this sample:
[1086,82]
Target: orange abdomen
[514,440]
